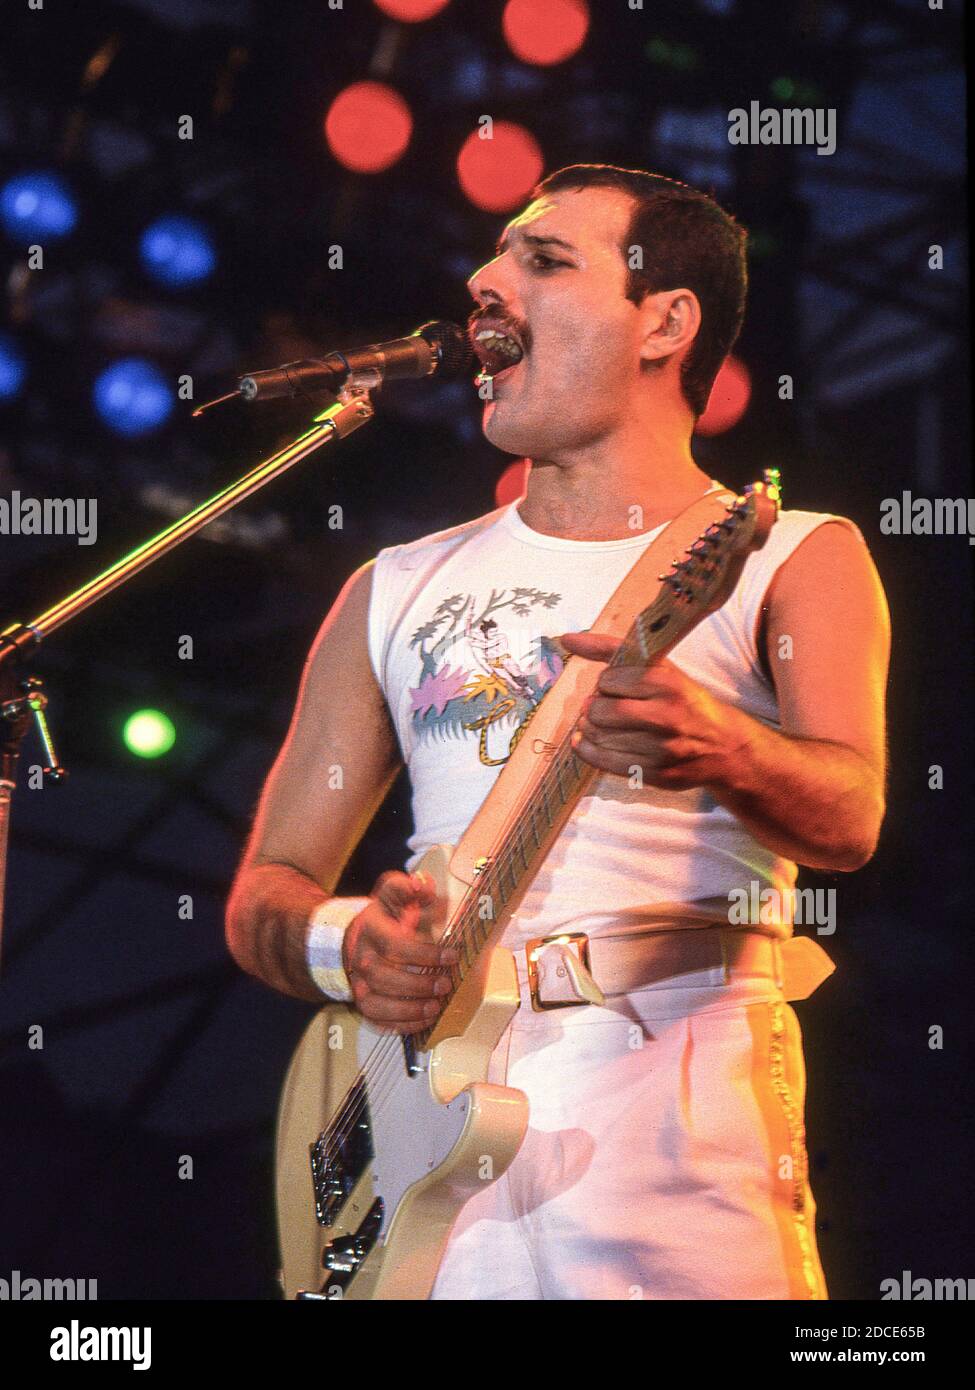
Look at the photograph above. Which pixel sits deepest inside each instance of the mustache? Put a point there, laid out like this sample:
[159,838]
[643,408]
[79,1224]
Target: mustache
[493,317]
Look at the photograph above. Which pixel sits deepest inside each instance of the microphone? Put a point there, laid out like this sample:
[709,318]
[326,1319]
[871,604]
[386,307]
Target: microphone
[437,348]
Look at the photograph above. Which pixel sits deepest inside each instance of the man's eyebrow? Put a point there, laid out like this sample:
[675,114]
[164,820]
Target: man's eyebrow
[531,239]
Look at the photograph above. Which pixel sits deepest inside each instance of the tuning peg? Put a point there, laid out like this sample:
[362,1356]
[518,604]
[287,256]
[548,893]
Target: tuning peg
[772,478]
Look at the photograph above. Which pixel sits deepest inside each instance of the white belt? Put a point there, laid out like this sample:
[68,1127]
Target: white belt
[571,968]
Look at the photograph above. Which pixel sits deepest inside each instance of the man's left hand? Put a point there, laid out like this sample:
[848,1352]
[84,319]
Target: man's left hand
[656,719]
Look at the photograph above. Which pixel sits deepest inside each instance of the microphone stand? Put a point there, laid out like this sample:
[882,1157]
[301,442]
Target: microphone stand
[22,698]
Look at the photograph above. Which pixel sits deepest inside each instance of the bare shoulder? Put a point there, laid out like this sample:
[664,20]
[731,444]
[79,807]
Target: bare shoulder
[828,643]
[831,579]
[350,611]
[341,646]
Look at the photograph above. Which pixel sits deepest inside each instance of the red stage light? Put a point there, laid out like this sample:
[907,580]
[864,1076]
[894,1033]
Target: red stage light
[368,126]
[728,401]
[512,483]
[545,31]
[412,11]
[497,174]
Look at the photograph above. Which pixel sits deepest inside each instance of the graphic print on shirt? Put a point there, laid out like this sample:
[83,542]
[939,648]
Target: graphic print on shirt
[480,678]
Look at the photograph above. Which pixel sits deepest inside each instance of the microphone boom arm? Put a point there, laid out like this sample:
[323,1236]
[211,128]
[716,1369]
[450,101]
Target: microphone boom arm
[353,409]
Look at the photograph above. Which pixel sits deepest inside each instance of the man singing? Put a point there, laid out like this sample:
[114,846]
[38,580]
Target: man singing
[666,1156]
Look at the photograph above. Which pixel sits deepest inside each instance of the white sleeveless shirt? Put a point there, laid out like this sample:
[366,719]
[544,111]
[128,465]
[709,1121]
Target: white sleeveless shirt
[460,629]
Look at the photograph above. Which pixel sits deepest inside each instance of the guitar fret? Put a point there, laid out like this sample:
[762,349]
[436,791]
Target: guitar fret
[498,883]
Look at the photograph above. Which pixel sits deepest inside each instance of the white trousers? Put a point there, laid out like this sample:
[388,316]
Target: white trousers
[665,1156]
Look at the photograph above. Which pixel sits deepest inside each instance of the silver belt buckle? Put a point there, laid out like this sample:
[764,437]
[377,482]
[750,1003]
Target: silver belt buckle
[578,941]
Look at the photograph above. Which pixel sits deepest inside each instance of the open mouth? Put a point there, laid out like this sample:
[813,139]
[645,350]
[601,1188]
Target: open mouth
[496,348]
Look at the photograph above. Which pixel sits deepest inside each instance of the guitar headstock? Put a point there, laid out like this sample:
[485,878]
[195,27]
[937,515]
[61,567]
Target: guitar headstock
[700,582]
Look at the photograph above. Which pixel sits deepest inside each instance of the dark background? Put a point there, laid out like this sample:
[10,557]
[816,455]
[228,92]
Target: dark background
[155,1046]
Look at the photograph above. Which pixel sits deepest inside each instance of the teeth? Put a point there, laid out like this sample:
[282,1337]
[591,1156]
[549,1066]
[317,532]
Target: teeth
[500,343]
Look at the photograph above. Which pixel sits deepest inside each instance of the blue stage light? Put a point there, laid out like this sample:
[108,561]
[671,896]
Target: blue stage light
[470,76]
[13,368]
[177,250]
[37,207]
[133,397]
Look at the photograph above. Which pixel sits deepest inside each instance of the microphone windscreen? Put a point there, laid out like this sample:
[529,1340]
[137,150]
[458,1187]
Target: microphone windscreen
[454,352]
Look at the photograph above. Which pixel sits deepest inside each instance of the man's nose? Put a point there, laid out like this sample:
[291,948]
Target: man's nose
[487,285]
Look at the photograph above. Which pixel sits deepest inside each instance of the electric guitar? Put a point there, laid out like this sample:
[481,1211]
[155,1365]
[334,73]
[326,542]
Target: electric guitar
[382,1137]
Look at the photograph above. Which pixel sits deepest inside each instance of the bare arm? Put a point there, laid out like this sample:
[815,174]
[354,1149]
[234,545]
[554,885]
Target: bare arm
[334,769]
[814,792]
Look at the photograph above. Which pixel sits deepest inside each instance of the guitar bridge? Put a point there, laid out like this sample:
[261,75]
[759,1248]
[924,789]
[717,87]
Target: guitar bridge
[342,1259]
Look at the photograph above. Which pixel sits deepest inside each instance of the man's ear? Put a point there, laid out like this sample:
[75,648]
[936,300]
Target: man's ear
[672,319]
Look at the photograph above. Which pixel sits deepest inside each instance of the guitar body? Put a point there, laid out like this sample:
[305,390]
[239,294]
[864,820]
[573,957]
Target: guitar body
[419,1144]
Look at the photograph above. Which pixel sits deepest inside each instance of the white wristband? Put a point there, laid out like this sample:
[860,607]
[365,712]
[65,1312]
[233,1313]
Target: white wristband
[323,945]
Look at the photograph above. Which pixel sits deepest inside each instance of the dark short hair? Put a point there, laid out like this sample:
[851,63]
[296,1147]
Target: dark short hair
[687,241]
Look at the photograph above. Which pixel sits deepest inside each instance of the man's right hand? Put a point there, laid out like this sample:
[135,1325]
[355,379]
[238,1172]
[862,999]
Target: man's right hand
[398,975]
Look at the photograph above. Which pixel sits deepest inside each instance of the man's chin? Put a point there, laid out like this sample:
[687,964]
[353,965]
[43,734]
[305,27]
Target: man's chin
[507,433]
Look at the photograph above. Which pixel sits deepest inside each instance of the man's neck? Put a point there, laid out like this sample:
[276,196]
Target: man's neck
[598,498]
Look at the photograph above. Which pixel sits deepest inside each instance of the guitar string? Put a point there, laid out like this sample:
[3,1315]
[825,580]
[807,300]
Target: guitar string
[390,1045]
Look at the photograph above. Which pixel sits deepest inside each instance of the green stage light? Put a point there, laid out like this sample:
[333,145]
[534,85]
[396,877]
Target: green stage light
[149,733]
[787,89]
[679,56]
